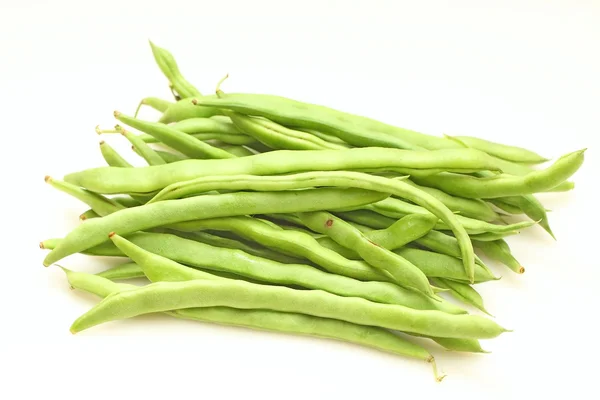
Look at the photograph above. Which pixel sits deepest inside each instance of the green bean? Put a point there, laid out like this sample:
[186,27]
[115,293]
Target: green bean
[154,102]
[173,138]
[463,292]
[276,321]
[158,268]
[292,242]
[435,265]
[127,270]
[277,136]
[498,250]
[94,231]
[563,187]
[230,243]
[206,125]
[355,130]
[166,62]
[400,233]
[532,208]
[468,345]
[509,153]
[165,296]
[100,204]
[141,148]
[506,185]
[185,109]
[111,156]
[88,214]
[401,271]
[145,180]
[444,244]
[472,208]
[345,179]
[396,208]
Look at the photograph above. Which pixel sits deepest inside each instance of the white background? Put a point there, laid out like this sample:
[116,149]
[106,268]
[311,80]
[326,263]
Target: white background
[519,72]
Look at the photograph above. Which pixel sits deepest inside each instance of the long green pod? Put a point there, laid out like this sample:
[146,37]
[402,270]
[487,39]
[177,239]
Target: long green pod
[436,265]
[94,231]
[506,152]
[498,250]
[472,208]
[169,157]
[462,291]
[88,214]
[236,150]
[325,136]
[277,136]
[275,321]
[367,218]
[149,179]
[166,296]
[206,125]
[141,148]
[403,272]
[167,64]
[175,139]
[442,243]
[356,130]
[98,203]
[113,158]
[506,185]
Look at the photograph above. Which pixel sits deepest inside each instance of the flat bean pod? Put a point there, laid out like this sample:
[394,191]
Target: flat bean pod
[276,321]
[166,296]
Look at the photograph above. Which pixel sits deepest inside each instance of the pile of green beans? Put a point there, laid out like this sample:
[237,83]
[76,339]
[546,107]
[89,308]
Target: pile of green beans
[268,213]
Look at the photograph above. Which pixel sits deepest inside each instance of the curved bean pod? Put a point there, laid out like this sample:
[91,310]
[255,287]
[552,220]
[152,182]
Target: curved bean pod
[141,148]
[185,109]
[276,321]
[463,292]
[239,139]
[532,207]
[99,204]
[506,185]
[166,296]
[179,141]
[146,180]
[94,231]
[111,156]
[88,214]
[166,62]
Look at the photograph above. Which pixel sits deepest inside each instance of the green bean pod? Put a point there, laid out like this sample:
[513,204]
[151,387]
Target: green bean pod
[462,291]
[506,185]
[185,109]
[275,321]
[141,148]
[94,231]
[498,250]
[166,62]
[166,296]
[505,152]
[99,204]
[532,207]
[129,270]
[173,138]
[156,103]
